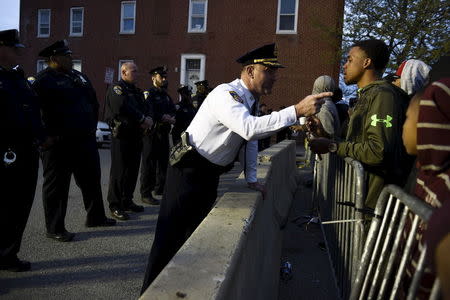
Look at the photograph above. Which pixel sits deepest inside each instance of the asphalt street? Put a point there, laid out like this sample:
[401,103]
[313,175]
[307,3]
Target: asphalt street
[101,263]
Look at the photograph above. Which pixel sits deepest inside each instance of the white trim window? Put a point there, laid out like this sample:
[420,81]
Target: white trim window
[121,62]
[43,22]
[287,16]
[77,64]
[198,11]
[192,69]
[41,65]
[128,17]
[76,21]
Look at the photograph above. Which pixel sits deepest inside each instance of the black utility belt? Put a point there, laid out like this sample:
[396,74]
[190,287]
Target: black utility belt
[184,154]
[181,150]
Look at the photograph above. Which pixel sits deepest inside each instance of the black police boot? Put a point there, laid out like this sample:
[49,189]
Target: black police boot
[15,265]
[134,208]
[64,236]
[119,214]
[150,200]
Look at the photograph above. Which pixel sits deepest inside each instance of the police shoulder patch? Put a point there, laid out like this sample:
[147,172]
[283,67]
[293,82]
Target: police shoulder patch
[236,97]
[31,79]
[117,89]
[146,94]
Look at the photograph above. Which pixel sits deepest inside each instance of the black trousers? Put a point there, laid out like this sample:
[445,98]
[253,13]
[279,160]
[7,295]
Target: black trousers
[17,188]
[78,156]
[155,157]
[125,159]
[182,209]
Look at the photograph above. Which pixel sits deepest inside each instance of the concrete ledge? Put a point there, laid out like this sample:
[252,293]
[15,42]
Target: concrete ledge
[235,252]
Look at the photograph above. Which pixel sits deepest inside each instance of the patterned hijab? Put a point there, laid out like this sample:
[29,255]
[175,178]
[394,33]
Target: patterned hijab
[433,144]
[413,75]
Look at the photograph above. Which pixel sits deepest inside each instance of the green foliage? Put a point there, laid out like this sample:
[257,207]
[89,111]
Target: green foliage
[411,28]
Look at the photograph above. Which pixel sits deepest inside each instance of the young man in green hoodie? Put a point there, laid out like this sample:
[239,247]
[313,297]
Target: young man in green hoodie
[374,135]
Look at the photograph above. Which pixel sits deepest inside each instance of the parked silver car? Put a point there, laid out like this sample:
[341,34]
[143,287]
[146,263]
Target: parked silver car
[103,134]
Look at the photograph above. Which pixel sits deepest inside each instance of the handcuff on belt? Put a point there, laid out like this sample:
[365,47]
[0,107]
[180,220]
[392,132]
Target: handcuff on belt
[9,157]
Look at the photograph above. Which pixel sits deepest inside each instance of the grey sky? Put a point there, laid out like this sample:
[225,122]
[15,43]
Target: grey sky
[9,14]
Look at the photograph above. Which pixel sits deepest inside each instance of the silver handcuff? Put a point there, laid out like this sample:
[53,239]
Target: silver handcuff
[9,157]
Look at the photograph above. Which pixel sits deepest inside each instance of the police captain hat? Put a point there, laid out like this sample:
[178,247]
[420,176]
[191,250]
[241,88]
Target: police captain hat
[162,70]
[58,48]
[10,38]
[265,55]
[202,82]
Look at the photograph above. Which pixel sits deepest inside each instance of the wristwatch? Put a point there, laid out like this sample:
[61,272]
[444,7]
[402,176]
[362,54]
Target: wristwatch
[332,147]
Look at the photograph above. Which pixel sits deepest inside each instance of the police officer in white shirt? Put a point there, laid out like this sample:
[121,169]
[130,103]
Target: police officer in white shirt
[225,124]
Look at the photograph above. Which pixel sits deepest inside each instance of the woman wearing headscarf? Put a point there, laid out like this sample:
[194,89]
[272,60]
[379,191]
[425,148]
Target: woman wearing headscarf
[324,124]
[328,114]
[414,75]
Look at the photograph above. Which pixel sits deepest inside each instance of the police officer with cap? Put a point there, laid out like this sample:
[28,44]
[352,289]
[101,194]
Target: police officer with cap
[185,113]
[155,152]
[70,114]
[129,116]
[22,132]
[202,92]
[225,125]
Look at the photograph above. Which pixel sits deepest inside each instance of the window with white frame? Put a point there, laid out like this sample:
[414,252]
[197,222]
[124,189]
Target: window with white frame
[197,15]
[77,64]
[128,17]
[287,16]
[121,62]
[41,65]
[192,69]
[43,22]
[76,21]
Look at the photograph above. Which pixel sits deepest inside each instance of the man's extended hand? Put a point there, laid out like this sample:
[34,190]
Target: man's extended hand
[311,104]
[320,145]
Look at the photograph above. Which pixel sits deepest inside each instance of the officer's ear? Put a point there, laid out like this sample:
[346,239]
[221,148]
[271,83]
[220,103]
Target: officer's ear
[250,71]
[53,61]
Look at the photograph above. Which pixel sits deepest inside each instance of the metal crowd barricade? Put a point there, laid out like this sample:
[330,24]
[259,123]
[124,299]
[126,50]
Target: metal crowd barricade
[391,241]
[338,194]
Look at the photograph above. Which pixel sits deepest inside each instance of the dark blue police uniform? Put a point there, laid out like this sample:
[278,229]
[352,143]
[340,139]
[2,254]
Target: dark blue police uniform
[21,132]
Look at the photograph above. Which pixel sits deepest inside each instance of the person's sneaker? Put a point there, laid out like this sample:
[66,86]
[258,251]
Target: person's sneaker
[64,236]
[119,214]
[150,200]
[104,223]
[15,265]
[134,208]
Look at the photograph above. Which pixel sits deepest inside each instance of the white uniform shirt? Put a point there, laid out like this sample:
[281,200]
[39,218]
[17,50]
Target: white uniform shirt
[223,122]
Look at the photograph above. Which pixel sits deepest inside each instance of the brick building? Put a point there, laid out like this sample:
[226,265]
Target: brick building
[195,39]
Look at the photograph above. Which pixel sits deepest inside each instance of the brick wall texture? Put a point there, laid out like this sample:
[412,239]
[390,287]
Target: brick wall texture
[161,37]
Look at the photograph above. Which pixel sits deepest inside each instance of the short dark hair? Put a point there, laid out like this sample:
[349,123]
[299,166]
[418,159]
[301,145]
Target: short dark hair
[377,51]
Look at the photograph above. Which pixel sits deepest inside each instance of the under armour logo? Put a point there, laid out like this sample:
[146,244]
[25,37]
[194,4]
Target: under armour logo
[386,121]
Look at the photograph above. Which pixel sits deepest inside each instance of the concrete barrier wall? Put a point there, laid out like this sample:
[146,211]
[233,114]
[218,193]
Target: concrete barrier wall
[235,252]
